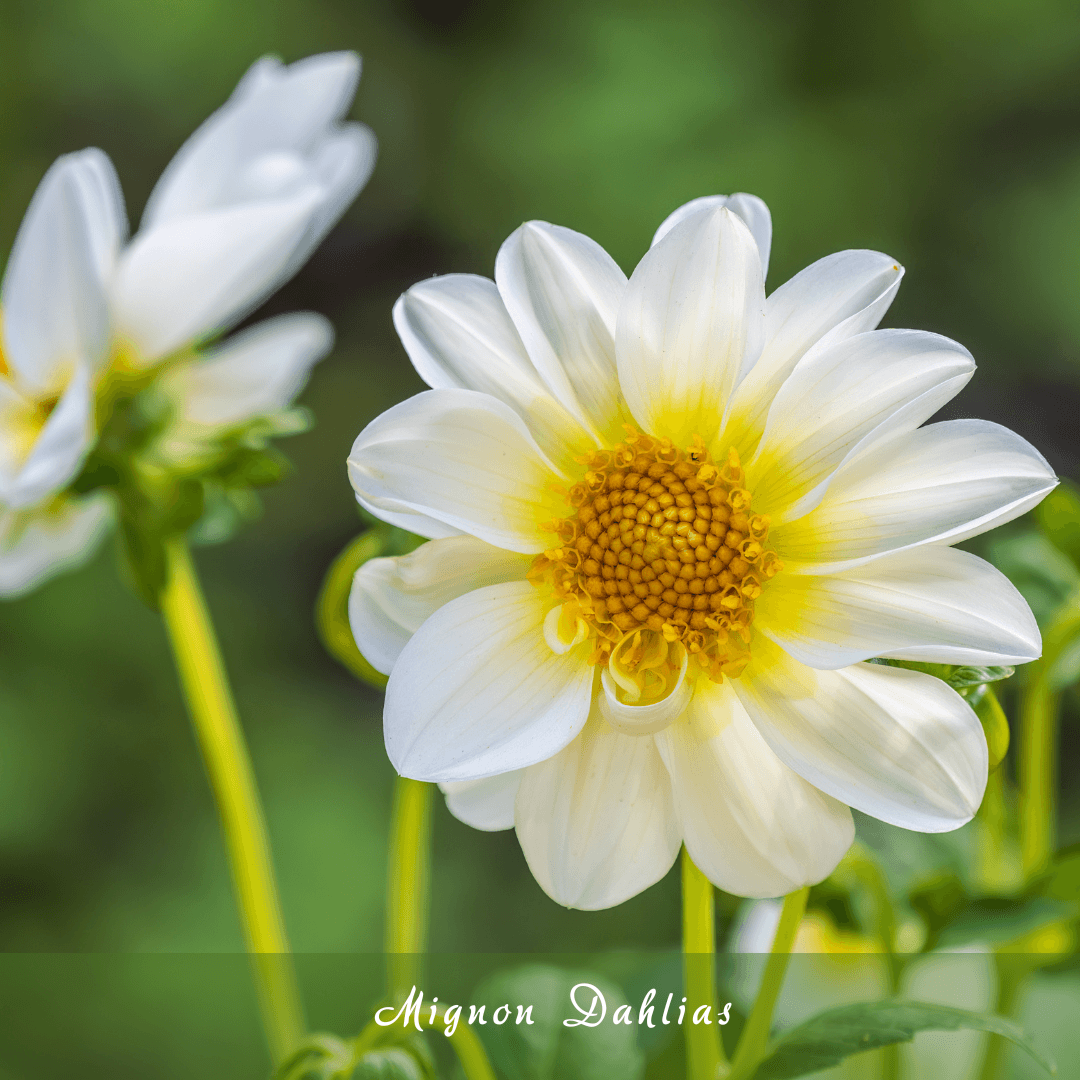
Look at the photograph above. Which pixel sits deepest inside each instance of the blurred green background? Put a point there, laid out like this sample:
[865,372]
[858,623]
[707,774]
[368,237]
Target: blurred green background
[944,132]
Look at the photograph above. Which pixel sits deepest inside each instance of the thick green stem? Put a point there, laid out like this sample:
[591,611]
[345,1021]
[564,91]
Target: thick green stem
[755,1035]
[1038,743]
[704,1047]
[225,755]
[408,884]
[1009,978]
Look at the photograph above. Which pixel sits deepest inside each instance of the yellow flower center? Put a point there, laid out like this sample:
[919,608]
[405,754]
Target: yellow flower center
[663,556]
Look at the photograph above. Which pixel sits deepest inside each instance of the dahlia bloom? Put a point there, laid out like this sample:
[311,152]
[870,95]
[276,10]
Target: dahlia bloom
[53,347]
[89,316]
[670,519]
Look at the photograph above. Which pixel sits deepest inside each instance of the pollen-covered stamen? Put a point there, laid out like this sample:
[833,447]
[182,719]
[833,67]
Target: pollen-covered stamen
[664,548]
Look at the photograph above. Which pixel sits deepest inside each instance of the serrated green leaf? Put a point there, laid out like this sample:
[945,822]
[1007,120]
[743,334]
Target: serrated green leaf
[830,1037]
[546,1049]
[1059,517]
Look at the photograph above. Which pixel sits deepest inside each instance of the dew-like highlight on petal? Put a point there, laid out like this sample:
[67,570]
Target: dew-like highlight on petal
[662,556]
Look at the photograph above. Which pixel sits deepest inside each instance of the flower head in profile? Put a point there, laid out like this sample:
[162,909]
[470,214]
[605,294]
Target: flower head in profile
[671,519]
[95,324]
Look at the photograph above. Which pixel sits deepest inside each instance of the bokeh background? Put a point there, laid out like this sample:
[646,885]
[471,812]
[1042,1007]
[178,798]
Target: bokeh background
[944,132]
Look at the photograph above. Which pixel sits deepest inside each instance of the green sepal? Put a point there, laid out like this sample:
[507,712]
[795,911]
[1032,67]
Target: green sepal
[963,678]
[828,1038]
[995,724]
[148,517]
[332,605]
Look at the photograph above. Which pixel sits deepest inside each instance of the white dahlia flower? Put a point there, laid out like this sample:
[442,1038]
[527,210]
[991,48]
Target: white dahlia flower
[234,215]
[671,518]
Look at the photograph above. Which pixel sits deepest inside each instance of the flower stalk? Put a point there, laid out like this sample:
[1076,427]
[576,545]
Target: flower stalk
[1038,743]
[704,1047]
[755,1035]
[228,766]
[408,884]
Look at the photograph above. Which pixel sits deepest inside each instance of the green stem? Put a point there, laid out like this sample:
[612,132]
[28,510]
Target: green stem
[1008,992]
[225,755]
[755,1035]
[408,883]
[704,1047]
[1038,743]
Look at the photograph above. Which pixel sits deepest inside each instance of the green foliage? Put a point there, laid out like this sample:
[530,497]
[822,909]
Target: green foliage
[831,1036]
[1059,518]
[327,1057]
[546,1049]
[1003,921]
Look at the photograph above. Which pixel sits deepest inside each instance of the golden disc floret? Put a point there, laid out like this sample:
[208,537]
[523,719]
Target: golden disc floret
[663,543]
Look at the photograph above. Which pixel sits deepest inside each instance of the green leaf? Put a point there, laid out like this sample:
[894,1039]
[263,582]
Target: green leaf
[1059,517]
[1000,921]
[1041,571]
[830,1037]
[318,1057]
[546,1049]
[392,1063]
[939,900]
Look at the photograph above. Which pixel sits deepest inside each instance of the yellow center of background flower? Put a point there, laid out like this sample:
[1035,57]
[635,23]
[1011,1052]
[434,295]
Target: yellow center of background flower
[663,551]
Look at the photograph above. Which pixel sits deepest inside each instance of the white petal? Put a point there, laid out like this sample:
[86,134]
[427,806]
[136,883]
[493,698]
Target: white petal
[391,597]
[750,208]
[563,290]
[103,207]
[477,691]
[192,276]
[486,804]
[276,113]
[341,165]
[750,824]
[400,516]
[58,451]
[842,398]
[462,458]
[940,484]
[257,372]
[691,323]
[457,333]
[929,603]
[896,744]
[596,822]
[833,299]
[53,297]
[37,544]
